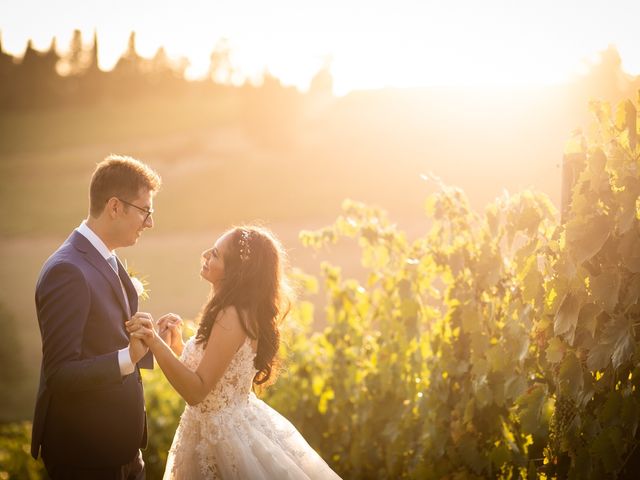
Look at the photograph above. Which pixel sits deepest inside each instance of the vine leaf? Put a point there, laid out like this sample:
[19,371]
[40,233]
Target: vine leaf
[588,318]
[618,345]
[628,200]
[567,318]
[470,453]
[555,350]
[587,238]
[530,408]
[633,292]
[514,386]
[619,334]
[570,376]
[599,357]
[605,289]
[532,283]
[629,251]
[604,447]
[626,116]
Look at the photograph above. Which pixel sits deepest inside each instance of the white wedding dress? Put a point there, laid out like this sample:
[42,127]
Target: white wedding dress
[232,434]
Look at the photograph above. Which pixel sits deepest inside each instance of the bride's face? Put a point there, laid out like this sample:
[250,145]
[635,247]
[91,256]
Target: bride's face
[213,261]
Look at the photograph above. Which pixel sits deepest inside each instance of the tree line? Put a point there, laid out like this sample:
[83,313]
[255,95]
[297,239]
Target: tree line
[48,79]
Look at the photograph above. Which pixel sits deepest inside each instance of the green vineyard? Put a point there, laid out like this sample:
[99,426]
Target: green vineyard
[501,344]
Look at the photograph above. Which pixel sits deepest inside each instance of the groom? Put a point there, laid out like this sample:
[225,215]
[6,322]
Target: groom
[89,419]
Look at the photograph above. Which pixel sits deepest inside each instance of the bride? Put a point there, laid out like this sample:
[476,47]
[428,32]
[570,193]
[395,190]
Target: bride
[226,431]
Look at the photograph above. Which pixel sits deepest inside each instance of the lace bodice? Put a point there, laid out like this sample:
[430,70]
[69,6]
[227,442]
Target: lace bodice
[232,434]
[235,385]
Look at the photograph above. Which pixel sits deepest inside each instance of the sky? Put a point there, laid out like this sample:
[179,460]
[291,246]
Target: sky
[369,44]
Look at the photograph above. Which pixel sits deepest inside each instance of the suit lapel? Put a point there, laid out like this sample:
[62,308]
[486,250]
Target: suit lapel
[132,295]
[98,261]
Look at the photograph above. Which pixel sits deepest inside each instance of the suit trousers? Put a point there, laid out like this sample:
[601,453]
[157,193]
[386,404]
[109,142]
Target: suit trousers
[134,470]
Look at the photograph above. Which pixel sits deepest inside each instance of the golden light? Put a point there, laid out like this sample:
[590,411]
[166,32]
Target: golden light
[373,44]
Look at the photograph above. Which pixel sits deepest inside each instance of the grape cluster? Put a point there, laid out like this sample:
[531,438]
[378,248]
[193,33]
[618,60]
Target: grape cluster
[563,416]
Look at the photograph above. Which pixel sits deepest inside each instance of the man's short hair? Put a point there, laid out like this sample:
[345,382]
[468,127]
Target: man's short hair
[120,176]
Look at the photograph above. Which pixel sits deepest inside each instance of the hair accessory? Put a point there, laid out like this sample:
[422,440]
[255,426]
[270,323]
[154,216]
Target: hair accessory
[245,249]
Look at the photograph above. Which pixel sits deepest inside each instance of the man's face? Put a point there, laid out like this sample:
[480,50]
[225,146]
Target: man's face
[134,218]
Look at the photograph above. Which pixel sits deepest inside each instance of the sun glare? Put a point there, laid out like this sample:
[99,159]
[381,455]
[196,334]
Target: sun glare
[371,44]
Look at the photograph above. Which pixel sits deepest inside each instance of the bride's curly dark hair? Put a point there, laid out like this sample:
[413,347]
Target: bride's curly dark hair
[255,284]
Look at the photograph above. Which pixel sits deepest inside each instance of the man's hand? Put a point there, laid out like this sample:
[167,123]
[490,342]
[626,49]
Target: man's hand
[138,347]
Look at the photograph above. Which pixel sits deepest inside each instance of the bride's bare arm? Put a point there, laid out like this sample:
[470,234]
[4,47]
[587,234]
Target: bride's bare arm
[226,337]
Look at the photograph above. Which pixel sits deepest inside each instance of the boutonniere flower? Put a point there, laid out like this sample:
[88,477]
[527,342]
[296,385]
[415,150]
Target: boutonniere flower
[140,283]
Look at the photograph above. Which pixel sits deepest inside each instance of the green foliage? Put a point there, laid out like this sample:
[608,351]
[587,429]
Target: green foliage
[501,345]
[15,457]
[426,364]
[12,357]
[164,407]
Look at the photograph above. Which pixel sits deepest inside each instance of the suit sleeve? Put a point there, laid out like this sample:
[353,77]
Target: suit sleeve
[63,300]
[147,361]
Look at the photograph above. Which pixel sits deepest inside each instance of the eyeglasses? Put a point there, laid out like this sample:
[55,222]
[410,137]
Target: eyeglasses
[144,210]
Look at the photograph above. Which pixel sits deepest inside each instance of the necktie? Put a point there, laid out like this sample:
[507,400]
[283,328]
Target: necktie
[113,262]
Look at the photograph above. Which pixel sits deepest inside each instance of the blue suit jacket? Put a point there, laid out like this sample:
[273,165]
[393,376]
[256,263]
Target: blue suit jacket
[87,414]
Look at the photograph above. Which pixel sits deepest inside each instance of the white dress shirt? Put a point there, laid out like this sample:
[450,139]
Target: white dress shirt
[124,357]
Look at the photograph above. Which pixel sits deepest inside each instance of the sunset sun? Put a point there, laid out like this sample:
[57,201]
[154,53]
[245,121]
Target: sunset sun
[369,44]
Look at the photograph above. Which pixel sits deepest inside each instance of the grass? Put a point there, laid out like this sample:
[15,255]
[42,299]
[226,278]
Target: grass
[44,131]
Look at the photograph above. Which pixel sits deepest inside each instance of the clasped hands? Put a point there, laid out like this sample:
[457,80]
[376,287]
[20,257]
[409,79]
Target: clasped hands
[145,334]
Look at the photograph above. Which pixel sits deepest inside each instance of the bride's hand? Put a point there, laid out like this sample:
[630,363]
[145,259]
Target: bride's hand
[170,330]
[141,327]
